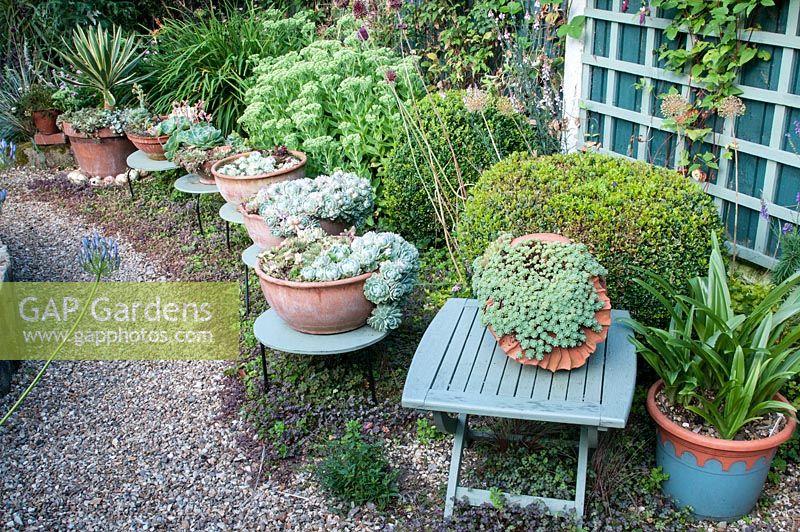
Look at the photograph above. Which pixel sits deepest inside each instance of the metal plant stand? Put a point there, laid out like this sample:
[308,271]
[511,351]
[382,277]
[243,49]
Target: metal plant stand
[230,213]
[271,331]
[139,161]
[190,184]
[249,258]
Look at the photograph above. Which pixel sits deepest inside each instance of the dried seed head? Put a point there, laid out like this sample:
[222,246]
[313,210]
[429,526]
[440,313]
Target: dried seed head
[731,107]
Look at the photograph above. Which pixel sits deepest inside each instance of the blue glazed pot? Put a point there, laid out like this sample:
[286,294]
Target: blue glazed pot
[719,479]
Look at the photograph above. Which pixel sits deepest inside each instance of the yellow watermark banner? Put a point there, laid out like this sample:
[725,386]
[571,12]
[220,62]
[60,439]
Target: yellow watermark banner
[119,321]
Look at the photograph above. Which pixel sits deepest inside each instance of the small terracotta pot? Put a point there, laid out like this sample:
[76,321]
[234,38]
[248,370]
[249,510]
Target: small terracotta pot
[204,174]
[720,479]
[238,189]
[45,121]
[561,358]
[153,147]
[103,153]
[318,308]
[261,234]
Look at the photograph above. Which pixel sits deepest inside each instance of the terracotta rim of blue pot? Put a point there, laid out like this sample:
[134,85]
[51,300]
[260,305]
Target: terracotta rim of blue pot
[707,448]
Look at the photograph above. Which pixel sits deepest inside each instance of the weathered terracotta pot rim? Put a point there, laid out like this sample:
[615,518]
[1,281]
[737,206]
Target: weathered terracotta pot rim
[49,110]
[717,444]
[301,285]
[161,139]
[100,133]
[297,154]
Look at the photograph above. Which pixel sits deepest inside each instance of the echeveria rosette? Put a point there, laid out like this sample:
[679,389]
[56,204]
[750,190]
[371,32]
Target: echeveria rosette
[541,293]
[313,256]
[290,206]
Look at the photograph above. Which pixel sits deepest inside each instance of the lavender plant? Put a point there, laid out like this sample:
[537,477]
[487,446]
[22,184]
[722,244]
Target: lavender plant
[313,256]
[98,256]
[292,205]
[542,293]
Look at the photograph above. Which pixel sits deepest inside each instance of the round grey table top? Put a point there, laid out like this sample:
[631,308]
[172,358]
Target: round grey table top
[139,161]
[191,185]
[250,255]
[274,333]
[230,213]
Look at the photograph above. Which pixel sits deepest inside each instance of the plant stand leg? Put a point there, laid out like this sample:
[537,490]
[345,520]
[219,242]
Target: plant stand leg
[264,367]
[246,290]
[130,184]
[199,217]
[370,374]
[583,459]
[455,464]
[228,234]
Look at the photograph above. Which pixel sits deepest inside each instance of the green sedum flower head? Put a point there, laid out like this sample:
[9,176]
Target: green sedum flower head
[542,293]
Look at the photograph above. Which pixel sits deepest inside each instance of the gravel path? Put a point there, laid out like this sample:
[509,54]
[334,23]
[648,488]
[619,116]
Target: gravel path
[128,444]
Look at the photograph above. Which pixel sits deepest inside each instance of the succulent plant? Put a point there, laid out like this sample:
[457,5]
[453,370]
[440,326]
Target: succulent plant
[91,120]
[541,293]
[289,206]
[202,142]
[138,120]
[257,164]
[313,256]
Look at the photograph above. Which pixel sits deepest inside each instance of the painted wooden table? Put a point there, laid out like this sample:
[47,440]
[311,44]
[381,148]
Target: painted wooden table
[271,331]
[459,369]
[190,184]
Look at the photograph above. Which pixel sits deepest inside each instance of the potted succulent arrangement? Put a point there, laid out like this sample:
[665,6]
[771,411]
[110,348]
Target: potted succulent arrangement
[104,62]
[150,133]
[197,149]
[544,299]
[334,203]
[240,176]
[717,407]
[326,284]
[38,103]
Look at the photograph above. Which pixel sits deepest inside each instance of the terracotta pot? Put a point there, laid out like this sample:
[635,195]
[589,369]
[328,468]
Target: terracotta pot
[103,153]
[239,189]
[720,479]
[204,173]
[153,147]
[261,234]
[318,308]
[45,121]
[561,358]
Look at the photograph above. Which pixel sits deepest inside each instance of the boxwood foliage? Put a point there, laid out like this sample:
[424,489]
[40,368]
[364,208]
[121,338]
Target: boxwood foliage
[630,215]
[406,207]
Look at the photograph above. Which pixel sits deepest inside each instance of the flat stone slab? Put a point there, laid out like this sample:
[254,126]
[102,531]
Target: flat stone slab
[191,185]
[274,333]
[138,160]
[250,255]
[40,139]
[230,213]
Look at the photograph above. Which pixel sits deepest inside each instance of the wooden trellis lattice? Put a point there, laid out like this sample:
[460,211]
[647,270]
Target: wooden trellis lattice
[612,82]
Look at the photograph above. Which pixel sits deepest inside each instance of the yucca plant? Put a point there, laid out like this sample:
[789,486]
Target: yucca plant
[103,60]
[724,367]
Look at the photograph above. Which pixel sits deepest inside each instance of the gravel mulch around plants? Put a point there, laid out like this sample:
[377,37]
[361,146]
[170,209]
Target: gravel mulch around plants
[162,445]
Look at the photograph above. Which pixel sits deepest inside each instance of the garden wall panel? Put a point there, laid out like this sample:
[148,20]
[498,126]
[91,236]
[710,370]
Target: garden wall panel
[612,82]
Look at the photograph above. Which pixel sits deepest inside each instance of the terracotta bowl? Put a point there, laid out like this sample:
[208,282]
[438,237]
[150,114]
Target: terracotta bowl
[261,234]
[318,308]
[204,174]
[153,147]
[45,121]
[103,153]
[561,358]
[238,189]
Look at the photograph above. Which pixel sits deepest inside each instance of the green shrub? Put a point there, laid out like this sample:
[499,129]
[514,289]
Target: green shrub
[630,215]
[355,469]
[332,101]
[445,122]
[209,56]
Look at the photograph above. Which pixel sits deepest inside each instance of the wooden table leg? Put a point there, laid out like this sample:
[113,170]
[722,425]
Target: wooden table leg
[583,459]
[455,464]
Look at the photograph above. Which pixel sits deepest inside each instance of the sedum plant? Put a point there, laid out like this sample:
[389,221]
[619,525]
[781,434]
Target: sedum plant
[292,205]
[723,366]
[541,293]
[313,256]
[257,163]
[91,120]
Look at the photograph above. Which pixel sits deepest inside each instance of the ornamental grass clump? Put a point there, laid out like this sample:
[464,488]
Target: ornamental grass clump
[541,293]
[289,206]
[314,256]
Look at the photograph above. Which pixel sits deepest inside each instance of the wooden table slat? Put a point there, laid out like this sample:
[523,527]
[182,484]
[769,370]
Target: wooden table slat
[620,375]
[478,342]
[593,388]
[452,356]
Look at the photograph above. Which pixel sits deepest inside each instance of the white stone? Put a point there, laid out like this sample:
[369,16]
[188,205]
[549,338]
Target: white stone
[121,179]
[77,177]
[133,175]
[95,181]
[108,180]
